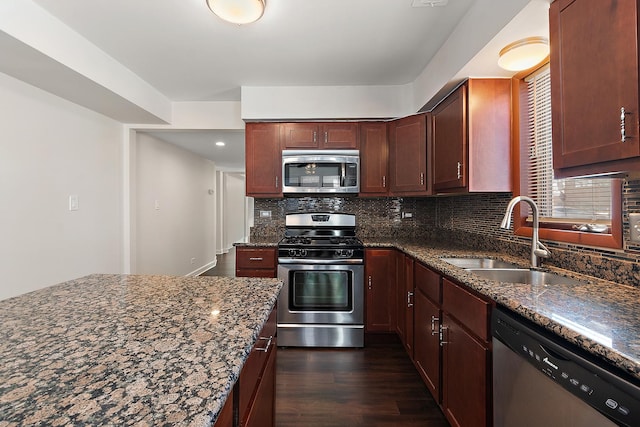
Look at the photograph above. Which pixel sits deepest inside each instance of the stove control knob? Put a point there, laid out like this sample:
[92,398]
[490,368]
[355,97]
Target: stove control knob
[292,252]
[303,252]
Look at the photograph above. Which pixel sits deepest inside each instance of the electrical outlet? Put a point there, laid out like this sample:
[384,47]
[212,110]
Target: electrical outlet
[407,215]
[634,227]
[74,203]
[265,214]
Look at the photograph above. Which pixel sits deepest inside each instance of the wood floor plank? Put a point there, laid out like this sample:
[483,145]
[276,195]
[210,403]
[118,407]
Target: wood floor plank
[377,386]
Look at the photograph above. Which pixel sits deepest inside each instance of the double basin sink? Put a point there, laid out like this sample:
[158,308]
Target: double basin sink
[506,272]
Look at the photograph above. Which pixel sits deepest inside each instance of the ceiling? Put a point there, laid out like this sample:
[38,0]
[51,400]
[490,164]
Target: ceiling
[188,54]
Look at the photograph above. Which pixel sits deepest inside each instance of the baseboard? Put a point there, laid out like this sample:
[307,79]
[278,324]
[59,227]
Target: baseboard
[204,268]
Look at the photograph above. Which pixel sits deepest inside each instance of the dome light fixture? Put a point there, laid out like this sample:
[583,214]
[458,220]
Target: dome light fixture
[523,54]
[238,11]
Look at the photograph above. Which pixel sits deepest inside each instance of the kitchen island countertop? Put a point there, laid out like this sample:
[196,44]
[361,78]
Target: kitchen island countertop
[128,350]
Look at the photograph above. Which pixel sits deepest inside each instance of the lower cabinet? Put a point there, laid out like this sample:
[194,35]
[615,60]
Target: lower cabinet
[380,288]
[256,261]
[254,404]
[451,347]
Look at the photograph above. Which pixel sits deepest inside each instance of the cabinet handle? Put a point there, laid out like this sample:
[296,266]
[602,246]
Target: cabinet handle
[409,295]
[623,132]
[434,319]
[315,136]
[369,281]
[276,182]
[256,259]
[421,178]
[442,341]
[459,168]
[384,181]
[326,138]
[266,347]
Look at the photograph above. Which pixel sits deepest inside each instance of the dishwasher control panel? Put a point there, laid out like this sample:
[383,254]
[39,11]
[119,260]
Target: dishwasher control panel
[596,385]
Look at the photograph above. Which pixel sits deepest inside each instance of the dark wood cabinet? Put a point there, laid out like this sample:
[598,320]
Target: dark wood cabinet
[263,160]
[380,288]
[225,418]
[374,159]
[256,261]
[335,135]
[409,302]
[427,327]
[594,74]
[408,161]
[257,380]
[471,136]
[466,380]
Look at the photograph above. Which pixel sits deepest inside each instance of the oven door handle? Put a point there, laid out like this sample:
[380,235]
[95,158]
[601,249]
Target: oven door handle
[320,261]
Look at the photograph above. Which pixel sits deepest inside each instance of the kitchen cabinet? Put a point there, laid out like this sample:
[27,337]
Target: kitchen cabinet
[374,159]
[427,327]
[257,380]
[466,382]
[380,287]
[256,261]
[336,135]
[225,418]
[594,75]
[471,134]
[409,175]
[263,160]
[405,302]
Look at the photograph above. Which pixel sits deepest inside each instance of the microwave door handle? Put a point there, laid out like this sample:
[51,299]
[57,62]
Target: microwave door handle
[343,174]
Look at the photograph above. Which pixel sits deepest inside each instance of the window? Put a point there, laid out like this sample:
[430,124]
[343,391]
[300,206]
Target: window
[578,210]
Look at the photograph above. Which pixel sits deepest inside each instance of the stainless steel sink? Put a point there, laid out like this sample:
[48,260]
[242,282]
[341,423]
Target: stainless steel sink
[479,263]
[518,275]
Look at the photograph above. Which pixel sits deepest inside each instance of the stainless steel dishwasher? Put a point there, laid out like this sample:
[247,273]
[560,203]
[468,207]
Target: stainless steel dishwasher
[538,380]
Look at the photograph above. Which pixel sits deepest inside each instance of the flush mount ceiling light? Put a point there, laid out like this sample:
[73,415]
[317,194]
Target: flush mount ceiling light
[523,54]
[220,144]
[238,11]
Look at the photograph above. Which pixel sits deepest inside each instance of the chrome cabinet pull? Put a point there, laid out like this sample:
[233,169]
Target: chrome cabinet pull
[266,347]
[421,178]
[326,138]
[623,132]
[276,182]
[459,170]
[369,282]
[256,259]
[315,136]
[442,341]
[384,181]
[434,319]
[409,295]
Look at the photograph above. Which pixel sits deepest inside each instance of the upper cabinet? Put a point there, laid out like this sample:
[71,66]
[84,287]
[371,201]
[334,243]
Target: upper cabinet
[594,86]
[263,160]
[338,135]
[471,134]
[408,156]
[374,159]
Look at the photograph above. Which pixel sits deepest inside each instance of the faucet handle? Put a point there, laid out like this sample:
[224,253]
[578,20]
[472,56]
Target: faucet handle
[542,251]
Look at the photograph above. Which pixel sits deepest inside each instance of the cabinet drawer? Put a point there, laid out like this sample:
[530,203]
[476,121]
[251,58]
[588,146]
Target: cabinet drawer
[471,310]
[255,258]
[428,282]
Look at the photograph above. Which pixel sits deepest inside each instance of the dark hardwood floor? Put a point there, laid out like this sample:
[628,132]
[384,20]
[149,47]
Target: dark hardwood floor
[225,265]
[376,386]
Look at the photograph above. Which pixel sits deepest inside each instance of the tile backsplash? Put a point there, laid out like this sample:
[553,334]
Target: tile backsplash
[472,219]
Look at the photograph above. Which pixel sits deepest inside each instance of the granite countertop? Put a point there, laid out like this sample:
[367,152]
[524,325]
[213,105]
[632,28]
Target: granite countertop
[128,350]
[599,316]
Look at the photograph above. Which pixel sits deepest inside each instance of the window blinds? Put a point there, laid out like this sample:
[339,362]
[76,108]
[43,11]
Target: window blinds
[572,199]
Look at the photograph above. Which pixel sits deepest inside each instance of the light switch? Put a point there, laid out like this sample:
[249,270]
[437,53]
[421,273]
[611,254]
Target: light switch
[74,203]
[634,227]
[156,205]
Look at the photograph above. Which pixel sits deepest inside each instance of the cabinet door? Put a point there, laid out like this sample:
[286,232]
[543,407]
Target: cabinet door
[465,379]
[449,132]
[339,135]
[263,160]
[380,284]
[594,73]
[408,156]
[410,301]
[427,342]
[262,412]
[374,159]
[401,298]
[225,417]
[300,135]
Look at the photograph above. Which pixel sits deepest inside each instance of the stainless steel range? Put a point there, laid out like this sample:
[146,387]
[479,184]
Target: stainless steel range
[321,263]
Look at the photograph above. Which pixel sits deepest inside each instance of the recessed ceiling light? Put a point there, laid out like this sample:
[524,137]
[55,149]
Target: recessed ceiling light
[220,144]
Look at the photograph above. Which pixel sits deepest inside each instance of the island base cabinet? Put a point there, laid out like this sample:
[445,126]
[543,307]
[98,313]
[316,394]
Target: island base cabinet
[465,377]
[225,418]
[262,412]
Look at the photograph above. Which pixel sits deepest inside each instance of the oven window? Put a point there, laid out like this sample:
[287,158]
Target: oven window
[321,290]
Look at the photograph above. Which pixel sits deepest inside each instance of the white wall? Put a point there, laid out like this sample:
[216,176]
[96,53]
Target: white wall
[175,214]
[51,149]
[234,209]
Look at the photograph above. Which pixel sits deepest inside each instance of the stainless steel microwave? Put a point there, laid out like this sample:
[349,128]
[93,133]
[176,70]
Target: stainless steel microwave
[320,171]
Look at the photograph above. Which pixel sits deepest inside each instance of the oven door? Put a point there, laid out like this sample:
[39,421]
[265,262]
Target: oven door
[321,294]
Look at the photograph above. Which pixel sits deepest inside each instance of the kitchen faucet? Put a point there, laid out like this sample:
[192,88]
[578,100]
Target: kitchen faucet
[538,250]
